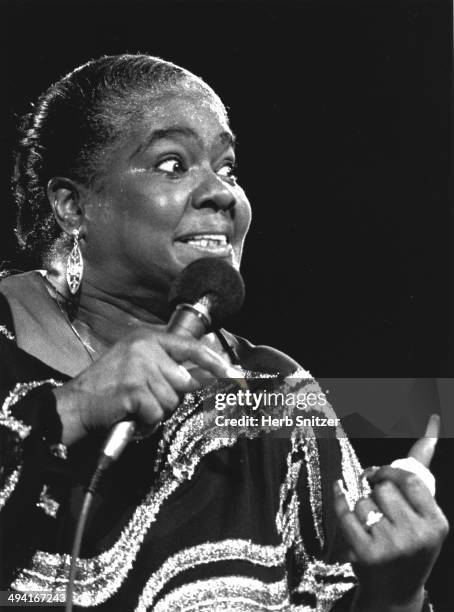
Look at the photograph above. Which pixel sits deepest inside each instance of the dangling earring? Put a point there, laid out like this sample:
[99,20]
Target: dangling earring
[74,265]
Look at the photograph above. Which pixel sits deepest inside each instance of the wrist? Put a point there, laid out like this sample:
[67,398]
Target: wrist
[366,601]
[67,408]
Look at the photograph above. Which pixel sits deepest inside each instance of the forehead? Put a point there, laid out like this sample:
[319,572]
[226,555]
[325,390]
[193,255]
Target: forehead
[199,112]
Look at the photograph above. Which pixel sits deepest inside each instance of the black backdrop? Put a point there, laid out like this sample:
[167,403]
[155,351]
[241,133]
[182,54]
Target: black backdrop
[343,113]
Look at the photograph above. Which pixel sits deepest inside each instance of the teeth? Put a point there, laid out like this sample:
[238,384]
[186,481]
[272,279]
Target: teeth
[208,240]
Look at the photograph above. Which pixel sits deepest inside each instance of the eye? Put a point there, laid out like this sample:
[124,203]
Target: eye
[227,170]
[172,165]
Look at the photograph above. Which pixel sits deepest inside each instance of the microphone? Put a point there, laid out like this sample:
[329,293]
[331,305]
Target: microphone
[206,293]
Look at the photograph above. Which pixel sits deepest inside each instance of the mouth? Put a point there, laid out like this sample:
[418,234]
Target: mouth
[209,243]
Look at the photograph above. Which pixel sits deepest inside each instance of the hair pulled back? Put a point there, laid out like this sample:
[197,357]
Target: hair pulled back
[72,125]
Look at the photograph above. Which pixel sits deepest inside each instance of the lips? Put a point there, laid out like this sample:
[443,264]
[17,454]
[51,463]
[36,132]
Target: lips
[206,243]
[207,237]
[221,230]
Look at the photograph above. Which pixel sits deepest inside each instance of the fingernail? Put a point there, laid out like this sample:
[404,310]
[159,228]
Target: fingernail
[339,487]
[184,372]
[229,371]
[237,376]
[370,471]
[433,427]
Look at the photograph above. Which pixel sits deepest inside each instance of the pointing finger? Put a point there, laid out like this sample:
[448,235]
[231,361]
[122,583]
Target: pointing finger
[424,448]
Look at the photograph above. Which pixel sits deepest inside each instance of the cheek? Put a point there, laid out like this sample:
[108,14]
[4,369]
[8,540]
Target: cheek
[143,206]
[244,214]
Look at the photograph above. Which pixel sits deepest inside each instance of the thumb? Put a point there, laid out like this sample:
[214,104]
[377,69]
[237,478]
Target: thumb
[424,448]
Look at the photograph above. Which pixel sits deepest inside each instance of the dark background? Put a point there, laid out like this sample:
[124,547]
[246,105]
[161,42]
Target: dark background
[343,115]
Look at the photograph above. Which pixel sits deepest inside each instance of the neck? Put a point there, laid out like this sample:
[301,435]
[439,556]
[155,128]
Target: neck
[110,317]
[105,316]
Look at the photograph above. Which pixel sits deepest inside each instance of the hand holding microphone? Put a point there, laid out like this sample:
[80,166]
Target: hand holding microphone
[140,380]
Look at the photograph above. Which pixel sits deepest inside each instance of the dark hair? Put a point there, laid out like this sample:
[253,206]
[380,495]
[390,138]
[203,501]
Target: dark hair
[73,123]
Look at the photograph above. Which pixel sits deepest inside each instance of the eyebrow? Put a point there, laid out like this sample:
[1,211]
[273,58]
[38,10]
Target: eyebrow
[228,139]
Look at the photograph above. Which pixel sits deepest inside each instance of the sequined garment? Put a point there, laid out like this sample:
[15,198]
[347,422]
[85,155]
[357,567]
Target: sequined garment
[187,520]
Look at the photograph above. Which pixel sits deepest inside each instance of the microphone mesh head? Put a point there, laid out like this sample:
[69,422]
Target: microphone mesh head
[214,278]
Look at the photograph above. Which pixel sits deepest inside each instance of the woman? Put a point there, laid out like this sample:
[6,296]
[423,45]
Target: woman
[126,166]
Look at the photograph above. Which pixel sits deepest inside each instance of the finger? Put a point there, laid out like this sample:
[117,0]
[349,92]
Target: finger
[343,552]
[351,556]
[358,539]
[393,504]
[203,377]
[232,372]
[410,464]
[424,448]
[165,395]
[411,486]
[363,507]
[178,377]
[183,349]
[370,471]
[148,410]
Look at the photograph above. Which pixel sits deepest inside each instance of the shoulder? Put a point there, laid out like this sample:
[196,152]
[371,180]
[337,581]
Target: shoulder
[19,303]
[261,358]
[15,282]
[16,288]
[6,318]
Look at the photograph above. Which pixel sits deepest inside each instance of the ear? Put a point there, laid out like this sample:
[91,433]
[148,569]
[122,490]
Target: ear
[66,200]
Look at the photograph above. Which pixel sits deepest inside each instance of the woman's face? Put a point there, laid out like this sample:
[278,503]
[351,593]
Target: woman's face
[168,196]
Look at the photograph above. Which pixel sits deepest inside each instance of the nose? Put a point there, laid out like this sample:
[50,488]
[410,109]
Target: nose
[213,193]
